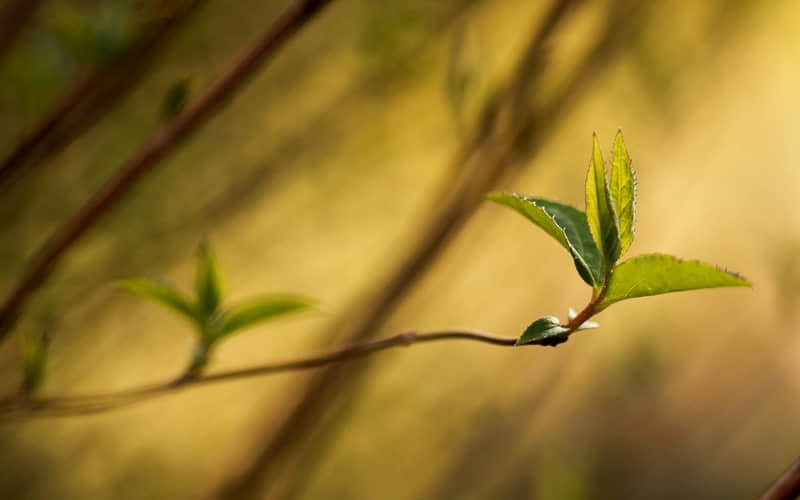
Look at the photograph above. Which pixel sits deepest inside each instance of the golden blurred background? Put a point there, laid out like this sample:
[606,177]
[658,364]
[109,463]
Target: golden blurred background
[324,174]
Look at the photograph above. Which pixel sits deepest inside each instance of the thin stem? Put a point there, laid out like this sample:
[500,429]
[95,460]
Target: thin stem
[591,308]
[94,403]
[586,313]
[787,486]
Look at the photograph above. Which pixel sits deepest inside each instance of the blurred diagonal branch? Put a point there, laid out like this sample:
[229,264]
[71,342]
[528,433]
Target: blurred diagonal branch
[13,18]
[787,486]
[77,405]
[323,126]
[482,162]
[92,96]
[296,15]
[608,44]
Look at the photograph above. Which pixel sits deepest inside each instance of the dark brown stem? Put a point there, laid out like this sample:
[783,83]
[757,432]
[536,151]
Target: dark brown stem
[94,403]
[787,486]
[164,141]
[14,18]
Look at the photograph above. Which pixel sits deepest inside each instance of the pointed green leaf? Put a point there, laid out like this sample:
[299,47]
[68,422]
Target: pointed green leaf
[600,208]
[162,293]
[623,193]
[34,357]
[544,331]
[260,309]
[176,98]
[567,225]
[655,274]
[207,282]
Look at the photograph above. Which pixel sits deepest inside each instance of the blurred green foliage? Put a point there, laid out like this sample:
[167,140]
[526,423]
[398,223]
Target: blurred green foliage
[212,322]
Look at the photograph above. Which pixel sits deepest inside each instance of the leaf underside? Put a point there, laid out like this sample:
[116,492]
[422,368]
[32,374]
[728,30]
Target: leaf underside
[544,331]
[654,274]
[567,225]
[623,193]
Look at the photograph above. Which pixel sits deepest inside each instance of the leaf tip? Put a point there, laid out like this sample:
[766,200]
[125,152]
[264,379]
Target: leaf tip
[304,302]
[595,142]
[129,284]
[743,282]
[494,196]
[618,139]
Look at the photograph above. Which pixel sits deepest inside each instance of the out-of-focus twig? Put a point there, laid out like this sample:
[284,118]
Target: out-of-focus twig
[483,161]
[787,486]
[91,96]
[95,403]
[297,14]
[13,18]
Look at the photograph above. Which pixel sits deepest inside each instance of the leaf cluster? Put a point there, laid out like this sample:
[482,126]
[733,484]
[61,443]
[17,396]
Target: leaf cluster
[205,311]
[597,238]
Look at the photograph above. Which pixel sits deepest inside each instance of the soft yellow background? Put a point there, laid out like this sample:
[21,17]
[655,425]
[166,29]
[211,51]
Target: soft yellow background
[317,179]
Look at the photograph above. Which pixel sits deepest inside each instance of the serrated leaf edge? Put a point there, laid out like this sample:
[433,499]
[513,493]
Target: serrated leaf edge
[572,250]
[747,283]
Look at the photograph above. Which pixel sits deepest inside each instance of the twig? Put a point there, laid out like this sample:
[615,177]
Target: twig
[166,139]
[787,486]
[94,403]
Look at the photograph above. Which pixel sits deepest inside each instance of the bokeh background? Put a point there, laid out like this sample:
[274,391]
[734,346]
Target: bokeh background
[325,173]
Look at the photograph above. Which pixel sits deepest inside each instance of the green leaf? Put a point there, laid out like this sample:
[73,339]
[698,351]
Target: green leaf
[34,357]
[544,331]
[258,310]
[655,274]
[207,282]
[623,193]
[162,293]
[600,208]
[176,98]
[567,225]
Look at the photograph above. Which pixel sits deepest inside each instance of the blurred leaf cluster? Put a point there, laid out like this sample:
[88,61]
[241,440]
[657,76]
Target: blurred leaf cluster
[212,322]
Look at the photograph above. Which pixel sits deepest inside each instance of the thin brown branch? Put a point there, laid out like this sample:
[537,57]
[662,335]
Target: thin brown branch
[14,17]
[787,486]
[90,97]
[165,140]
[484,160]
[95,403]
